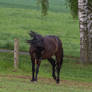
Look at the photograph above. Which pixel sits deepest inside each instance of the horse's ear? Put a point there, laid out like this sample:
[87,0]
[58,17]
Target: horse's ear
[32,34]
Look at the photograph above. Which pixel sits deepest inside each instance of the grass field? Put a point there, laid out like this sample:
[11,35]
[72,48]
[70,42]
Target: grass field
[16,22]
[74,76]
[17,18]
[71,69]
[24,85]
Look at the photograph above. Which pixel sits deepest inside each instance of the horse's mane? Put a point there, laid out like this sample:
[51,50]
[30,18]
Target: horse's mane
[36,41]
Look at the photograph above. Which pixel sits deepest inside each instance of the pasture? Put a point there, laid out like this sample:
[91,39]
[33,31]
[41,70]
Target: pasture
[17,18]
[16,22]
[71,69]
[74,76]
[10,84]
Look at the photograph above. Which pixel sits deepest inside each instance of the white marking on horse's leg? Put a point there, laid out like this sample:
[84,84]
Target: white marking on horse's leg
[35,61]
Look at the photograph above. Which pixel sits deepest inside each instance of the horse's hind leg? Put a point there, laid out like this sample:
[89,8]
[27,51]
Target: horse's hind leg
[58,66]
[52,61]
[59,60]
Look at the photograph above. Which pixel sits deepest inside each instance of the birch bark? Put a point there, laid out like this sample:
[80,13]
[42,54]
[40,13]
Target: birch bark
[83,19]
[90,30]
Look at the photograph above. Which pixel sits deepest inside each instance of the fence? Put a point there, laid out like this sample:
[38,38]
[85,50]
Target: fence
[19,59]
[20,20]
[13,58]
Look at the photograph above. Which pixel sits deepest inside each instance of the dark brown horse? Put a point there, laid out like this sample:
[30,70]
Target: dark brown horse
[44,48]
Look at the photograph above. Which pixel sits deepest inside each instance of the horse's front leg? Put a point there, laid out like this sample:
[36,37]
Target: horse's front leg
[37,68]
[33,70]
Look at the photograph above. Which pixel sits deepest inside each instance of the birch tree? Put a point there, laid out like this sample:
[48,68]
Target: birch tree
[83,10]
[90,30]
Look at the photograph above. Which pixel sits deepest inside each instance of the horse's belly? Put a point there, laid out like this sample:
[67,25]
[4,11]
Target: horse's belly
[47,55]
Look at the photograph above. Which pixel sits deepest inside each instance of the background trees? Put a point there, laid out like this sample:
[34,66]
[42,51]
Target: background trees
[73,4]
[83,8]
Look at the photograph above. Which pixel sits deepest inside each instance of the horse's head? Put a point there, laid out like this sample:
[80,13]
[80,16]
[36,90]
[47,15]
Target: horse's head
[37,42]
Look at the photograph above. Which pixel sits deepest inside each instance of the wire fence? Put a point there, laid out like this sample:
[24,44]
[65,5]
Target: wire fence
[23,15]
[71,66]
[19,59]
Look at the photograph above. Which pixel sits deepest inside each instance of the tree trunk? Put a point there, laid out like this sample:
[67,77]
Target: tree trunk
[90,30]
[83,19]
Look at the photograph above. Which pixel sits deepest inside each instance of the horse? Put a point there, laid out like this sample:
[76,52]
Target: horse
[45,47]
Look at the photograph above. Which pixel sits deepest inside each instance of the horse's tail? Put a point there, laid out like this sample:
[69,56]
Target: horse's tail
[62,52]
[60,49]
[62,56]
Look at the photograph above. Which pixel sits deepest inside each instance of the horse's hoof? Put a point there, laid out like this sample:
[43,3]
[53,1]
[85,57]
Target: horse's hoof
[34,80]
[54,78]
[57,81]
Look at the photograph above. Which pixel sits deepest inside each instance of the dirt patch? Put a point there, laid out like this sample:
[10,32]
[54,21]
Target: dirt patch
[68,83]
[51,81]
[14,76]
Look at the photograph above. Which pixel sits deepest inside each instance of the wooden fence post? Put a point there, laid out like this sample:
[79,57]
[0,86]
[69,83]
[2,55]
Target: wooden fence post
[16,53]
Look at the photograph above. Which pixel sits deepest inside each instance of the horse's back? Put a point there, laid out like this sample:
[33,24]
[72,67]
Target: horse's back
[52,41]
[52,45]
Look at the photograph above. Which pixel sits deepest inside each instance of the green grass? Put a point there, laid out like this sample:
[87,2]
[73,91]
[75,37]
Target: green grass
[24,85]
[71,69]
[16,23]
[17,18]
[75,77]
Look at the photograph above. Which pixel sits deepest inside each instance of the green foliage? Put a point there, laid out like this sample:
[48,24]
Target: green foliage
[73,4]
[90,2]
[44,6]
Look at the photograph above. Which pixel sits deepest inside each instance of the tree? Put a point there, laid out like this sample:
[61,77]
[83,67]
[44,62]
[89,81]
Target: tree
[44,6]
[73,5]
[90,30]
[82,5]
[85,21]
